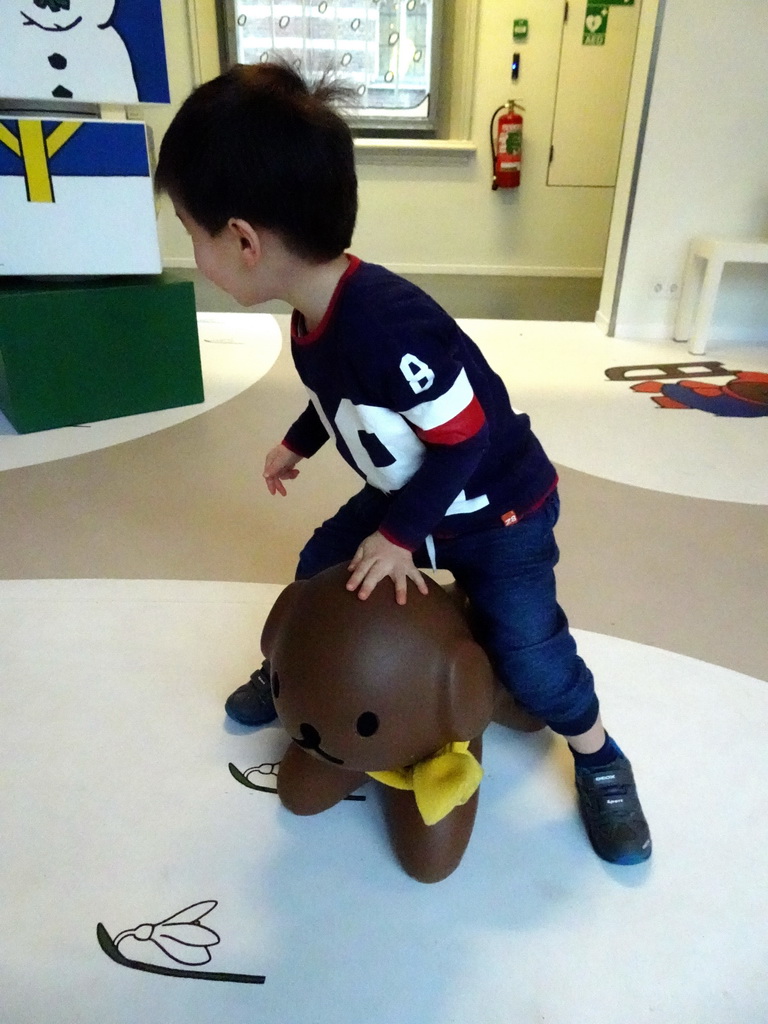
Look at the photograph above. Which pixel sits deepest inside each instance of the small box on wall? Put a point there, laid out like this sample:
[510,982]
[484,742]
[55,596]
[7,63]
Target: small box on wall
[83,352]
[76,198]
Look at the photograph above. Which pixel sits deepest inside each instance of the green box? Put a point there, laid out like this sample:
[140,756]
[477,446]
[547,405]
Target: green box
[520,30]
[83,351]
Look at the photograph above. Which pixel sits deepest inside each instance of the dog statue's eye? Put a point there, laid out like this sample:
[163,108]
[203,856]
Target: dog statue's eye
[367,723]
[275,685]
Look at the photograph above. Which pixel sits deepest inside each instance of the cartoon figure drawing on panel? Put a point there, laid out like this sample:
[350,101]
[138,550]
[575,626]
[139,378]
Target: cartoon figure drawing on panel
[64,49]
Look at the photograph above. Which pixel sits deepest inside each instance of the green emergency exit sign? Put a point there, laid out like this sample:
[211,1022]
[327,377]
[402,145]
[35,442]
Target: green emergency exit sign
[520,29]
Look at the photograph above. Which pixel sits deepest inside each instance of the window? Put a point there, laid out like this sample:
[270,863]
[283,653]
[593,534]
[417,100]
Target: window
[389,51]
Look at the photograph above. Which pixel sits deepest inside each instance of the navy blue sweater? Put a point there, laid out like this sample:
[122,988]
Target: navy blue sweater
[416,410]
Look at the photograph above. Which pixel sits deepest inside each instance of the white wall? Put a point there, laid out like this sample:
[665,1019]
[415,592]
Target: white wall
[438,214]
[183,23]
[445,218]
[704,167]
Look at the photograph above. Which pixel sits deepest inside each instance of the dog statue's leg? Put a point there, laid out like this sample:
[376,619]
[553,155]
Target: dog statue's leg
[429,853]
[307,785]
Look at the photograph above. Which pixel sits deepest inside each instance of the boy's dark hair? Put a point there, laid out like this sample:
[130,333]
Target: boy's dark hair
[259,143]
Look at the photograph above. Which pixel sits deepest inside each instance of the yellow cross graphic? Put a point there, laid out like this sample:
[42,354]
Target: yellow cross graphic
[35,149]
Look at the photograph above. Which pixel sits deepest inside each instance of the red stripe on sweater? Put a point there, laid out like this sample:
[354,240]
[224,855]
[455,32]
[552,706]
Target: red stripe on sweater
[460,428]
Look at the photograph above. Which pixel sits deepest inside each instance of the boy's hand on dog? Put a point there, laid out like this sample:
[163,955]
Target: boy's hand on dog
[278,466]
[377,558]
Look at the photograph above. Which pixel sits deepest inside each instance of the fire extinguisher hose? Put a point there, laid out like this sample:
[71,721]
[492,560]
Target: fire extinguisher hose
[493,118]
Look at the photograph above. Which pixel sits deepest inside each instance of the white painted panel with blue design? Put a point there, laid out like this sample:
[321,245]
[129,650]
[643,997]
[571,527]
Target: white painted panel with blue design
[76,198]
[95,51]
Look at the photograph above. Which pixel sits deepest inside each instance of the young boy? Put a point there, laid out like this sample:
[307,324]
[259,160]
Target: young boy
[260,168]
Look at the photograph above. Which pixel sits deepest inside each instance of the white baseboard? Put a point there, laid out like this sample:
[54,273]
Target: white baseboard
[475,269]
[493,270]
[178,263]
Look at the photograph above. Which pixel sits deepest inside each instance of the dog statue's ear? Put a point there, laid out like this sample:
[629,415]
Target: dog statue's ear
[470,689]
[278,617]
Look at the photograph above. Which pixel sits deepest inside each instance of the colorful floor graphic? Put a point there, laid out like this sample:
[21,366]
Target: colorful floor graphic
[689,386]
[604,406]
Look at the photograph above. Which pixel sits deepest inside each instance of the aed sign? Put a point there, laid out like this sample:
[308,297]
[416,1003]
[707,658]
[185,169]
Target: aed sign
[595,25]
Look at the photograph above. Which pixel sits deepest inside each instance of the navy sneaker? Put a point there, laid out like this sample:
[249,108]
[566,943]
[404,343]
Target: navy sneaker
[251,703]
[612,814]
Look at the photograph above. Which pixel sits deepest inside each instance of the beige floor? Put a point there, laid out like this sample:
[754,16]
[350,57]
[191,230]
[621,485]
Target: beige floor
[188,502]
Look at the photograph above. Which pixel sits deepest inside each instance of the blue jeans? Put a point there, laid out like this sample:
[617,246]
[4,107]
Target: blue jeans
[508,576]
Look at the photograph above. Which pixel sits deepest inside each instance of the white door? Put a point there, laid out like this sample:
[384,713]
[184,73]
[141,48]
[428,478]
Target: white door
[596,53]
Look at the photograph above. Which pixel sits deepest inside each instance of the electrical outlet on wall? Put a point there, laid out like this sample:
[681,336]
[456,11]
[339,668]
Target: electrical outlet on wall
[664,289]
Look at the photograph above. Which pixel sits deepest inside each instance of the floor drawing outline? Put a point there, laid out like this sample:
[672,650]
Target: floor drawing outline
[244,780]
[182,932]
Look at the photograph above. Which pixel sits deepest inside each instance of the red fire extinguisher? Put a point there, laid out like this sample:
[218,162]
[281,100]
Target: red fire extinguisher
[507,146]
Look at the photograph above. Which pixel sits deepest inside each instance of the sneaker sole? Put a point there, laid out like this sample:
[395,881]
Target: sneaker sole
[632,858]
[629,858]
[249,721]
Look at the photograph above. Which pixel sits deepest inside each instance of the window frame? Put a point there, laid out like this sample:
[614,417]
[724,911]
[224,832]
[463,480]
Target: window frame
[368,126]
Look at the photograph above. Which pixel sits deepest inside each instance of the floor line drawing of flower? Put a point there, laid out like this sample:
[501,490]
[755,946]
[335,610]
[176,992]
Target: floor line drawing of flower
[267,769]
[181,937]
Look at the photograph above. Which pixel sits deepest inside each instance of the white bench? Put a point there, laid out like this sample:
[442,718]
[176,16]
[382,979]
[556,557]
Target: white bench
[699,292]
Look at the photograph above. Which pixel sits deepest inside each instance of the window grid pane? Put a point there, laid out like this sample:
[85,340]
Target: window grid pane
[382,47]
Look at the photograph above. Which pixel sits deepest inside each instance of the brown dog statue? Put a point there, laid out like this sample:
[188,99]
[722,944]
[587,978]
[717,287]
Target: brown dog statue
[400,692]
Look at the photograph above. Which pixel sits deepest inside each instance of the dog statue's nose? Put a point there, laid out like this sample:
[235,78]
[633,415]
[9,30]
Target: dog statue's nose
[310,737]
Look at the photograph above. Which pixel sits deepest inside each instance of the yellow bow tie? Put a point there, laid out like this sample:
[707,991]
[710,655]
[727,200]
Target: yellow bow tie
[441,782]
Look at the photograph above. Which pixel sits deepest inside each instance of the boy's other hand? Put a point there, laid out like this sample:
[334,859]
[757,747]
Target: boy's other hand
[278,466]
[377,558]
